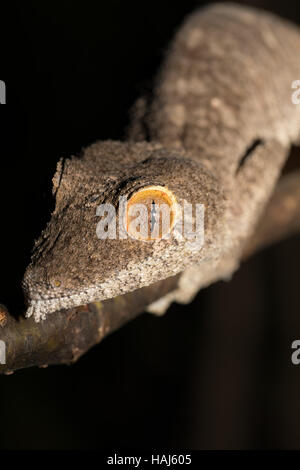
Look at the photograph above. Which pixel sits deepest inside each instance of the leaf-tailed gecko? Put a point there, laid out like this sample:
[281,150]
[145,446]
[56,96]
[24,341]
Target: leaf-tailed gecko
[216,131]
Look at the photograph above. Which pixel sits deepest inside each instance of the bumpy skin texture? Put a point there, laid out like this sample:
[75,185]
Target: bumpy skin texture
[70,264]
[226,80]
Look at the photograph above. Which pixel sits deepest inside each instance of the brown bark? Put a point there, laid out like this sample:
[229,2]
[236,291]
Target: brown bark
[281,217]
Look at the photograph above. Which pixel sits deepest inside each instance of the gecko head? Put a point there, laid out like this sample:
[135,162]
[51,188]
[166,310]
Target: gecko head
[126,215]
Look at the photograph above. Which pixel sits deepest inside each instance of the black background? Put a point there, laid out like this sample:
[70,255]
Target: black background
[214,374]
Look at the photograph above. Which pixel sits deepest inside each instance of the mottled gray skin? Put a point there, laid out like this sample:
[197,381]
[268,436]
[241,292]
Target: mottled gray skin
[225,84]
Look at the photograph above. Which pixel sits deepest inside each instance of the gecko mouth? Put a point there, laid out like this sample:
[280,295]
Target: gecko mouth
[40,308]
[43,301]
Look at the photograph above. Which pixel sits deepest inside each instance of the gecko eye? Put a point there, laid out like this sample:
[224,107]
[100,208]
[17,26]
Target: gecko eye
[151,213]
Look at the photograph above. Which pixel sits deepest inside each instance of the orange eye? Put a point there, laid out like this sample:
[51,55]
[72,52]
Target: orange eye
[151,213]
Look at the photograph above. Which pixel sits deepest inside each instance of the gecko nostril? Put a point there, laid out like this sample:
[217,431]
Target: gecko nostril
[54,283]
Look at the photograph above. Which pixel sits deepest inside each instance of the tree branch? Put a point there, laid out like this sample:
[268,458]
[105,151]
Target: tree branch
[66,335]
[281,217]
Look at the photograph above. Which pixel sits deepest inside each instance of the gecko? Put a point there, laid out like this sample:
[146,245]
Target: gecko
[215,130]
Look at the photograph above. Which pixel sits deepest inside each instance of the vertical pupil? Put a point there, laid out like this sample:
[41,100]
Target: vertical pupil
[153,212]
[155,199]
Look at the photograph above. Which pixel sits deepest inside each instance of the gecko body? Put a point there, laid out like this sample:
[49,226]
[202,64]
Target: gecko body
[216,131]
